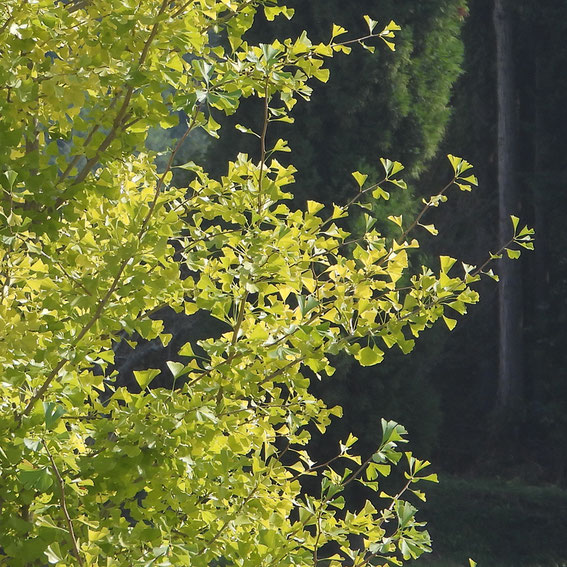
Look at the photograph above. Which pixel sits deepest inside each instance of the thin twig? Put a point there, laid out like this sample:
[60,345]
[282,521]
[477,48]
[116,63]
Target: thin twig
[316,467]
[425,209]
[11,17]
[161,181]
[239,319]
[357,40]
[355,199]
[263,142]
[316,544]
[63,501]
[86,142]
[367,560]
[182,8]
[233,515]
[493,257]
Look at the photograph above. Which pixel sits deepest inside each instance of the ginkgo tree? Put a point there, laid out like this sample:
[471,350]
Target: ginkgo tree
[95,240]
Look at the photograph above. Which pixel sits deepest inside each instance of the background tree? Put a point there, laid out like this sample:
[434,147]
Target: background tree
[537,53]
[511,366]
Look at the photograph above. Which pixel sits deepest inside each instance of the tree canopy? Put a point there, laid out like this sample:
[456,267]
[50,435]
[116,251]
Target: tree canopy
[95,239]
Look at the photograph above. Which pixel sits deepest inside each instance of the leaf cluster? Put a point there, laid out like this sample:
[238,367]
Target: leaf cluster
[94,241]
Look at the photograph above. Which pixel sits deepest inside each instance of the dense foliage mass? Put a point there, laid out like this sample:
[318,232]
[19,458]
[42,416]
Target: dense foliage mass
[95,240]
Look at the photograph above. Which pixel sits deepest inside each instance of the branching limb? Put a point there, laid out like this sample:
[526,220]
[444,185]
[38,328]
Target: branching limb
[263,142]
[10,18]
[232,516]
[427,206]
[122,116]
[113,286]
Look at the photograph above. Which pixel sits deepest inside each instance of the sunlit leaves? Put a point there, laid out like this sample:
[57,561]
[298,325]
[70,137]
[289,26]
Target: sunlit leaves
[369,356]
[95,241]
[360,178]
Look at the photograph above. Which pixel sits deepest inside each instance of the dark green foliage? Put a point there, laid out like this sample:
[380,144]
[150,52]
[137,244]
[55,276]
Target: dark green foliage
[498,524]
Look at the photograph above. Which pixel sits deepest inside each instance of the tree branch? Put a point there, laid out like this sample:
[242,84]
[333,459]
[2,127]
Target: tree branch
[425,209]
[11,17]
[116,280]
[263,142]
[63,502]
[122,115]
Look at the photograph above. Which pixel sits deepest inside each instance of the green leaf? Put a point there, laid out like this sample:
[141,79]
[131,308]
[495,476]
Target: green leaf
[337,30]
[369,356]
[189,166]
[406,512]
[369,222]
[351,440]
[306,303]
[281,146]
[420,495]
[387,165]
[398,220]
[430,228]
[144,377]
[392,431]
[187,350]
[313,207]
[54,555]
[430,478]
[176,368]
[471,179]
[451,323]
[446,263]
[11,177]
[515,221]
[338,212]
[32,444]
[379,193]
[36,479]
[52,413]
[360,178]
[370,23]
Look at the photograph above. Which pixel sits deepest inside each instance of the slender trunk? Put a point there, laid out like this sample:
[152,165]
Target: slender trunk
[510,375]
[540,254]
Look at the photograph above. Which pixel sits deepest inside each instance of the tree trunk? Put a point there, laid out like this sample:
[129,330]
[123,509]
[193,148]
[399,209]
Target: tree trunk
[510,375]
